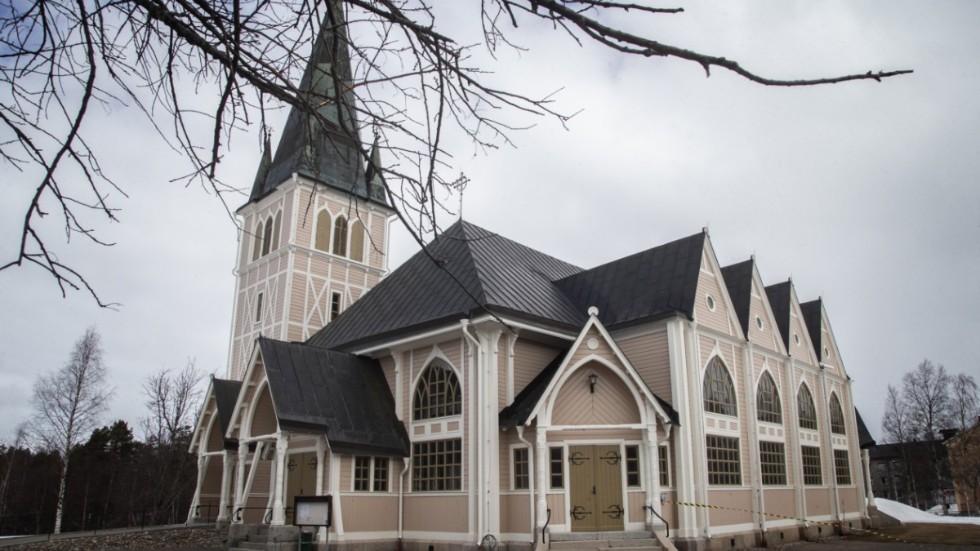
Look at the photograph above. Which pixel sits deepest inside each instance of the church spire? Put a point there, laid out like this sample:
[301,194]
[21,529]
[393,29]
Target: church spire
[321,141]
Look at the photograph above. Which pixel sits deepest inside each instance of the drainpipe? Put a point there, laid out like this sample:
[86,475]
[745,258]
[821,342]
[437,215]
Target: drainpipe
[530,482]
[401,499]
[829,439]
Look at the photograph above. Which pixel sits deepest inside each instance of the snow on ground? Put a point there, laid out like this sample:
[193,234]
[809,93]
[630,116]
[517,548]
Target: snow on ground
[903,513]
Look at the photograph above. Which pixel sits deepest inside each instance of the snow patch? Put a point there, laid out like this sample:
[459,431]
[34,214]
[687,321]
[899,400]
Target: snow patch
[904,514]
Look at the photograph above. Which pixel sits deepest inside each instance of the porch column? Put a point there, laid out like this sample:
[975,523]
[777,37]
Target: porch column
[541,449]
[321,448]
[227,464]
[653,481]
[866,464]
[202,467]
[240,496]
[278,509]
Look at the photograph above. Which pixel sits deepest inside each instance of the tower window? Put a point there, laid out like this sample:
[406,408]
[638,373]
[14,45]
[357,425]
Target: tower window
[321,241]
[357,241]
[277,231]
[267,237]
[334,305]
[258,308]
[340,236]
[257,241]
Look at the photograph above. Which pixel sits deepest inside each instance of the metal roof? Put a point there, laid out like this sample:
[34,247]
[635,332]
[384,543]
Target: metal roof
[865,440]
[814,323]
[322,145]
[779,301]
[225,395]
[738,280]
[341,395]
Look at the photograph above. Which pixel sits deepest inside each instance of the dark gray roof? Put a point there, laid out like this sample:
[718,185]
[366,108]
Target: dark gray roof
[464,271]
[342,395]
[225,396]
[779,301]
[865,440]
[322,145]
[640,287]
[812,318]
[738,279]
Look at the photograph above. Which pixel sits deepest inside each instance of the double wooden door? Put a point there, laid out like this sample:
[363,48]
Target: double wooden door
[596,494]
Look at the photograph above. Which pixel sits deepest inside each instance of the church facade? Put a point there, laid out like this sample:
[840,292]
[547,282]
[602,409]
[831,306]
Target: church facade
[485,392]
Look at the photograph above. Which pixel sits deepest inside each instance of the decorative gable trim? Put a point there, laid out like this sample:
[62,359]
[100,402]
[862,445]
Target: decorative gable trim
[624,370]
[759,289]
[714,269]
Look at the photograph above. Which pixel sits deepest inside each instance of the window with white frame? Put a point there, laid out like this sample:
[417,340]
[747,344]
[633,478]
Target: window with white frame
[724,463]
[768,406]
[663,456]
[719,392]
[437,465]
[556,462]
[805,408]
[633,466]
[437,393]
[339,247]
[842,467]
[812,475]
[522,473]
[772,463]
[370,474]
[836,416]
[321,239]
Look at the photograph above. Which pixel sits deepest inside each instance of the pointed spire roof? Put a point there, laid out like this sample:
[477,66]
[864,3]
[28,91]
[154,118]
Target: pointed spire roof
[780,300]
[322,145]
[813,318]
[738,280]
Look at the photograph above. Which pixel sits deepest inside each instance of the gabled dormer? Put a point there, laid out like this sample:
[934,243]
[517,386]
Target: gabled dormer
[752,308]
[790,322]
[713,306]
[824,342]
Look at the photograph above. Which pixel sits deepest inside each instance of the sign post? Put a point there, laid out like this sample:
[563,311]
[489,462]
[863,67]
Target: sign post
[313,511]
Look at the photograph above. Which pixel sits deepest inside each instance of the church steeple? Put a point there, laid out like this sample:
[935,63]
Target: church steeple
[321,143]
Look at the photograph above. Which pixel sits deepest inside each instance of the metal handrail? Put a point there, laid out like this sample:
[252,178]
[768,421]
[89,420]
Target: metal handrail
[654,511]
[545,527]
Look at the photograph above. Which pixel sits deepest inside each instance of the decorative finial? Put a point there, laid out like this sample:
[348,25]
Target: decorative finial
[593,311]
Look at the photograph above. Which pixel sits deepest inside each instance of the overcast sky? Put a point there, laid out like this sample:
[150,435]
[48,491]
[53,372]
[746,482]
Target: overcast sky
[864,193]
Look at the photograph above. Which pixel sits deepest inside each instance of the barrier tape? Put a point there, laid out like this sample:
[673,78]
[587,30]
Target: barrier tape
[777,515]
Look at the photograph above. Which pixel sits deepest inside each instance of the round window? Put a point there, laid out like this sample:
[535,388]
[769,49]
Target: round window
[796,338]
[758,322]
[710,300]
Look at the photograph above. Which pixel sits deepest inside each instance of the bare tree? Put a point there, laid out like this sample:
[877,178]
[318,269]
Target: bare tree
[171,399]
[68,404]
[223,64]
[19,439]
[964,401]
[895,423]
[926,393]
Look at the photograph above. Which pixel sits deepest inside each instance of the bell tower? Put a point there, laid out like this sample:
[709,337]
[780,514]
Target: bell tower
[315,227]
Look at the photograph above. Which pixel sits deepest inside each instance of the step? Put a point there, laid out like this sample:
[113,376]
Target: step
[253,545]
[640,541]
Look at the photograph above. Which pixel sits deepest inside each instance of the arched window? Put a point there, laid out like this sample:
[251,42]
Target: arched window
[437,394]
[719,392]
[267,237]
[357,241]
[806,409]
[767,404]
[321,241]
[277,230]
[836,416]
[257,239]
[340,236]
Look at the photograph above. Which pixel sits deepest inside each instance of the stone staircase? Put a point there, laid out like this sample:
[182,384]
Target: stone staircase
[605,541]
[261,537]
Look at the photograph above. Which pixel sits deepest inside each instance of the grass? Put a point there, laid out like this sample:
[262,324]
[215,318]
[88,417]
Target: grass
[950,534]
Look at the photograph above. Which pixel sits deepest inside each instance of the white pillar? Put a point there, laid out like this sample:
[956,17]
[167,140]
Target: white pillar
[321,448]
[653,476]
[227,464]
[278,509]
[541,449]
[240,497]
[866,463]
[202,467]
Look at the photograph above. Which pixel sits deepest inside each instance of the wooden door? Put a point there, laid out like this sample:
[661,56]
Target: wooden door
[596,491]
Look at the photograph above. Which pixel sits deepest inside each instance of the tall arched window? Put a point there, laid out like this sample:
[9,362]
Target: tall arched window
[257,241]
[719,392]
[836,416]
[321,240]
[804,406]
[437,393]
[767,404]
[357,241]
[277,231]
[340,236]
[267,237]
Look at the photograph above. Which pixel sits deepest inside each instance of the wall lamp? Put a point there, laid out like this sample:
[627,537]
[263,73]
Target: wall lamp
[593,379]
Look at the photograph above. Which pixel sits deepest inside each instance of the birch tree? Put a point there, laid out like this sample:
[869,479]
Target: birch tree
[68,405]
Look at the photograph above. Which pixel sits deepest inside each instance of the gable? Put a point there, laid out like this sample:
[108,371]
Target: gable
[759,311]
[712,306]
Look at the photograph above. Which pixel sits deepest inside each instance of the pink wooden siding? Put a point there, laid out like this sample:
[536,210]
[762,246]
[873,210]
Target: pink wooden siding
[781,501]
[370,513]
[264,420]
[529,359]
[515,513]
[635,501]
[768,336]
[848,500]
[817,502]
[611,404]
[216,441]
[436,513]
[730,500]
[650,356]
[603,349]
[709,283]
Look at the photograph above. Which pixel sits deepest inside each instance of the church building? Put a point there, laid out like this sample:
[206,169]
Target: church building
[485,394]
